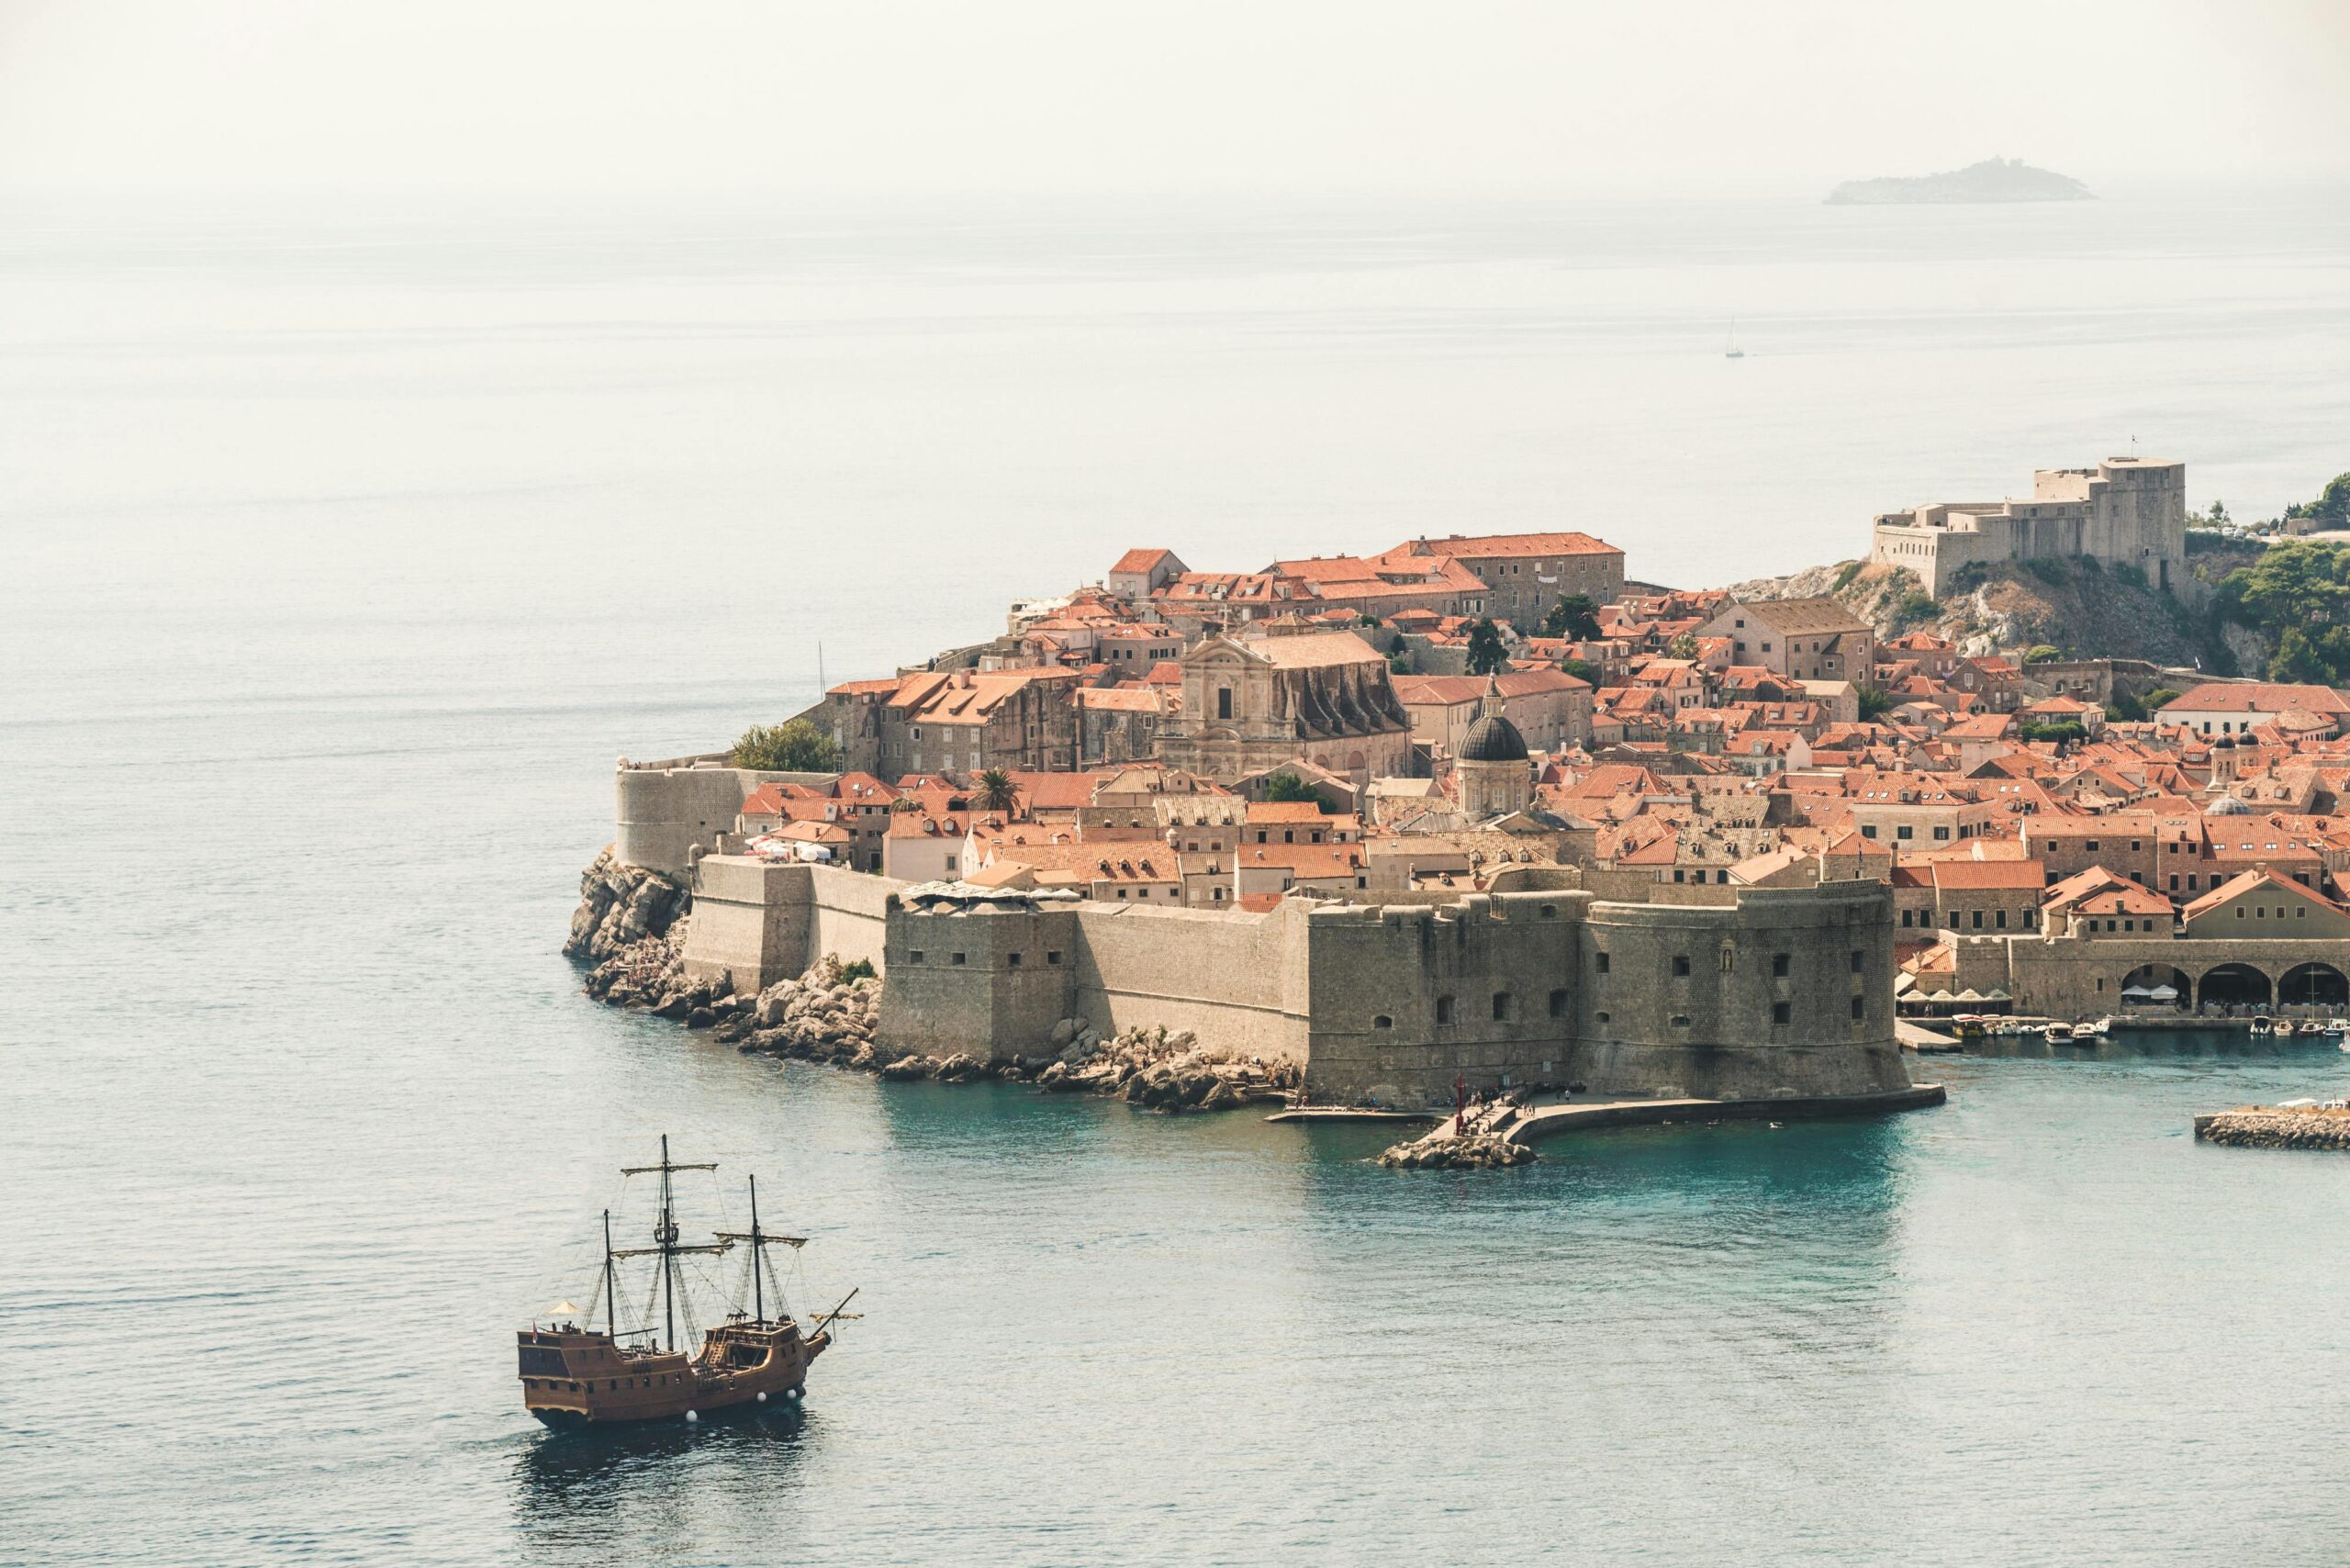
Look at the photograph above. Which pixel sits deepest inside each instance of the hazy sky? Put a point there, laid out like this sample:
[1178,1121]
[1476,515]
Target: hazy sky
[919,95]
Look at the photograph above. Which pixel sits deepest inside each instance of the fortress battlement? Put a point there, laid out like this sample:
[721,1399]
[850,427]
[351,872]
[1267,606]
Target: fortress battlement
[1779,992]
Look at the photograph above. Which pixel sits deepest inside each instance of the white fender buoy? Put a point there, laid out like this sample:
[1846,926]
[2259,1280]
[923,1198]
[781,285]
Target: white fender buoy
[693,1415]
[763,1396]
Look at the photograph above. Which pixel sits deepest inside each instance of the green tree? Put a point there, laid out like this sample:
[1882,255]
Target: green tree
[2298,593]
[1876,702]
[1573,617]
[2043,653]
[1582,670]
[2053,732]
[1486,652]
[1290,787]
[997,791]
[797,746]
[1685,646]
[2331,507]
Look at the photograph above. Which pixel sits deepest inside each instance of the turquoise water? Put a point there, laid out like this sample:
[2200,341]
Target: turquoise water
[324,626]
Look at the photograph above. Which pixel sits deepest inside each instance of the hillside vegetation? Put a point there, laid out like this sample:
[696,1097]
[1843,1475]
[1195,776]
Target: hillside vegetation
[2087,610]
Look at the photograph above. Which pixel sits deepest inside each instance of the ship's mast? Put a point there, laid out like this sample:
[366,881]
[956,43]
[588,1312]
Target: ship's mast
[758,1286]
[760,1241]
[611,1290]
[664,1238]
[664,1234]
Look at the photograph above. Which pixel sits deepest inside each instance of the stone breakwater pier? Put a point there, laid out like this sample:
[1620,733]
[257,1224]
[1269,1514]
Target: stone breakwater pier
[1450,1146]
[2276,1127]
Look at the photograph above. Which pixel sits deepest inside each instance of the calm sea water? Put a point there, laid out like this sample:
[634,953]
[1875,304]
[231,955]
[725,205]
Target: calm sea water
[343,554]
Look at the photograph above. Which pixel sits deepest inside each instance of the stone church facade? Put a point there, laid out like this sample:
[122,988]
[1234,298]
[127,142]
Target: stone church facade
[1254,702]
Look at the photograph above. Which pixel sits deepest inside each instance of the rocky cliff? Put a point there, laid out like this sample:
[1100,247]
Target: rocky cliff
[2088,612]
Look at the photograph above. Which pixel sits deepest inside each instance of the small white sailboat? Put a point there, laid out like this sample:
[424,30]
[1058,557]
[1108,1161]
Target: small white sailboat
[1730,348]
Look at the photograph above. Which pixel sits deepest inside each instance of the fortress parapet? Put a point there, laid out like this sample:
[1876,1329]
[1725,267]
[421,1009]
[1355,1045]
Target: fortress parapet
[2126,511]
[1780,992]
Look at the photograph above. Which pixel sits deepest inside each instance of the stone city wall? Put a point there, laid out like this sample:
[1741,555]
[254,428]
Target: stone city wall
[1237,981]
[1784,991]
[664,809]
[759,921]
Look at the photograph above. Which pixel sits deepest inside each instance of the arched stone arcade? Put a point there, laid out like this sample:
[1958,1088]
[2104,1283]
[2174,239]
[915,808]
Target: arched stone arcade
[2157,986]
[2234,985]
[2313,984]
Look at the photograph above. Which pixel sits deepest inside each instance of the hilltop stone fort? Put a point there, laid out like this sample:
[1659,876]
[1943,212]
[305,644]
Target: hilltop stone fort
[2125,512]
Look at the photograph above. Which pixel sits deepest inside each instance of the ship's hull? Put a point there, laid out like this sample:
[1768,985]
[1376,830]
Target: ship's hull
[600,1387]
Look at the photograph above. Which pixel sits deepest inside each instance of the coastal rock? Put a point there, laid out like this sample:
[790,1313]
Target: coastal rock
[2262,1127]
[621,905]
[827,1015]
[1478,1151]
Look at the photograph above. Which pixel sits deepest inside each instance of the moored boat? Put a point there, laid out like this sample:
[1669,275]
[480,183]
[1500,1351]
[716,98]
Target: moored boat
[575,1375]
[2261,1025]
[2058,1033]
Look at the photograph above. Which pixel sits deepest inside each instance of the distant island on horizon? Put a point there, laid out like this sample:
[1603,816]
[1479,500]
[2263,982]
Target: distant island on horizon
[1993,180]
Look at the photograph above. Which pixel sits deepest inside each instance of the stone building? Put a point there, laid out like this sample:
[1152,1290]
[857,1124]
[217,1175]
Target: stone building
[2126,511]
[1139,573]
[1550,707]
[1118,725]
[1493,774]
[1526,574]
[1384,586]
[2236,707]
[1252,703]
[1801,639]
[956,720]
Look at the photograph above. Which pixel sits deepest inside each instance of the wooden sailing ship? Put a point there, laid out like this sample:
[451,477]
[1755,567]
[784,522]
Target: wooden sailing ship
[573,1374]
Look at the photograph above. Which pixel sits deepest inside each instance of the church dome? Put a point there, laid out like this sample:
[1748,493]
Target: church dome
[1493,739]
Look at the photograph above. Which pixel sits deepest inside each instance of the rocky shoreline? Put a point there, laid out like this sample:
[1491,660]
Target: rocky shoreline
[630,926]
[2261,1127]
[1478,1151]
